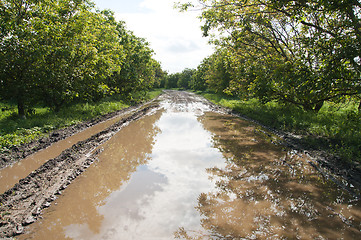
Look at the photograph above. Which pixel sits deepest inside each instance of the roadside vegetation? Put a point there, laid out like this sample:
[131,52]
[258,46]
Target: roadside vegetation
[63,62]
[58,52]
[336,128]
[15,131]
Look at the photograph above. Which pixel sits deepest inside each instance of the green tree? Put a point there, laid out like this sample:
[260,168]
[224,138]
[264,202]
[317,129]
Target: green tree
[198,81]
[290,51]
[82,51]
[159,75]
[217,75]
[172,80]
[139,71]
[55,51]
[185,78]
[19,53]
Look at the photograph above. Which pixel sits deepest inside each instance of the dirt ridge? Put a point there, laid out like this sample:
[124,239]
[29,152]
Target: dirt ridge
[17,153]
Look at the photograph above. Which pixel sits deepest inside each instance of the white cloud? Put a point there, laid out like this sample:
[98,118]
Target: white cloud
[175,37]
[183,46]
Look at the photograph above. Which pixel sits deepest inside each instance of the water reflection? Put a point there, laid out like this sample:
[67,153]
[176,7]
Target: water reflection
[121,208]
[76,214]
[264,193]
[180,157]
[145,185]
[9,176]
[179,173]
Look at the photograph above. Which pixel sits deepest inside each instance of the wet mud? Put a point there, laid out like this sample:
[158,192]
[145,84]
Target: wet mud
[17,153]
[10,175]
[267,191]
[77,213]
[184,169]
[22,204]
[146,181]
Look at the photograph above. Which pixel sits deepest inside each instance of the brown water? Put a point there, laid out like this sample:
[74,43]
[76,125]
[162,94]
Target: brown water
[181,173]
[267,193]
[11,175]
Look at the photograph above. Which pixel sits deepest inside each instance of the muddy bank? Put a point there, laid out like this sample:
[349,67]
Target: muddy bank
[17,153]
[346,175]
[22,205]
[11,175]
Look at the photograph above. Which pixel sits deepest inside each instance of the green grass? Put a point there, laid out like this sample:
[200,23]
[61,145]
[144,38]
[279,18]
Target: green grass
[154,93]
[17,131]
[336,128]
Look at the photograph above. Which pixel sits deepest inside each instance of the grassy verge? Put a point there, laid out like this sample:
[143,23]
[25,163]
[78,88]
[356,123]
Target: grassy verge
[16,131]
[336,128]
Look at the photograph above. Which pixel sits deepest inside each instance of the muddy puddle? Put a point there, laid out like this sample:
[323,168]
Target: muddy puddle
[180,173]
[9,176]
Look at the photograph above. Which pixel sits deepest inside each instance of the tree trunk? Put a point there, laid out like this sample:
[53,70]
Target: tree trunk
[21,109]
[318,106]
[57,108]
[314,107]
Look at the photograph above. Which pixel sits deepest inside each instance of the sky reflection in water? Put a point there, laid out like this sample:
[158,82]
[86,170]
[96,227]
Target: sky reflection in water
[145,186]
[210,176]
[161,196]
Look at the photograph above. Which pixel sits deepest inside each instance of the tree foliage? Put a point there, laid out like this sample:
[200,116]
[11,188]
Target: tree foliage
[58,51]
[181,80]
[139,71]
[299,52]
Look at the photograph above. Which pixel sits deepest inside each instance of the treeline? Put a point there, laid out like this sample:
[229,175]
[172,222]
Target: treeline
[55,52]
[296,52]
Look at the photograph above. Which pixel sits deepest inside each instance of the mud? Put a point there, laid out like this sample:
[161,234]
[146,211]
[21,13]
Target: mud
[17,153]
[345,174]
[146,181]
[269,192]
[24,203]
[10,175]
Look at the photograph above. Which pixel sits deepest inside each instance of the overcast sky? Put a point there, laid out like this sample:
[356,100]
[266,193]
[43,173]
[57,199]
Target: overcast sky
[175,37]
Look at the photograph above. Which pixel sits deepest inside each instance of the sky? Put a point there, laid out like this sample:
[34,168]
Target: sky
[175,37]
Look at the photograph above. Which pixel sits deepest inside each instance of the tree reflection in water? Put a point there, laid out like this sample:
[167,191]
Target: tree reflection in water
[265,192]
[76,214]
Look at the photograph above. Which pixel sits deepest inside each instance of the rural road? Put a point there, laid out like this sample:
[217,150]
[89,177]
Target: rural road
[224,177]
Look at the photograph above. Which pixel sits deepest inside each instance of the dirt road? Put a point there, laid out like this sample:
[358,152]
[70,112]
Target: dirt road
[22,204]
